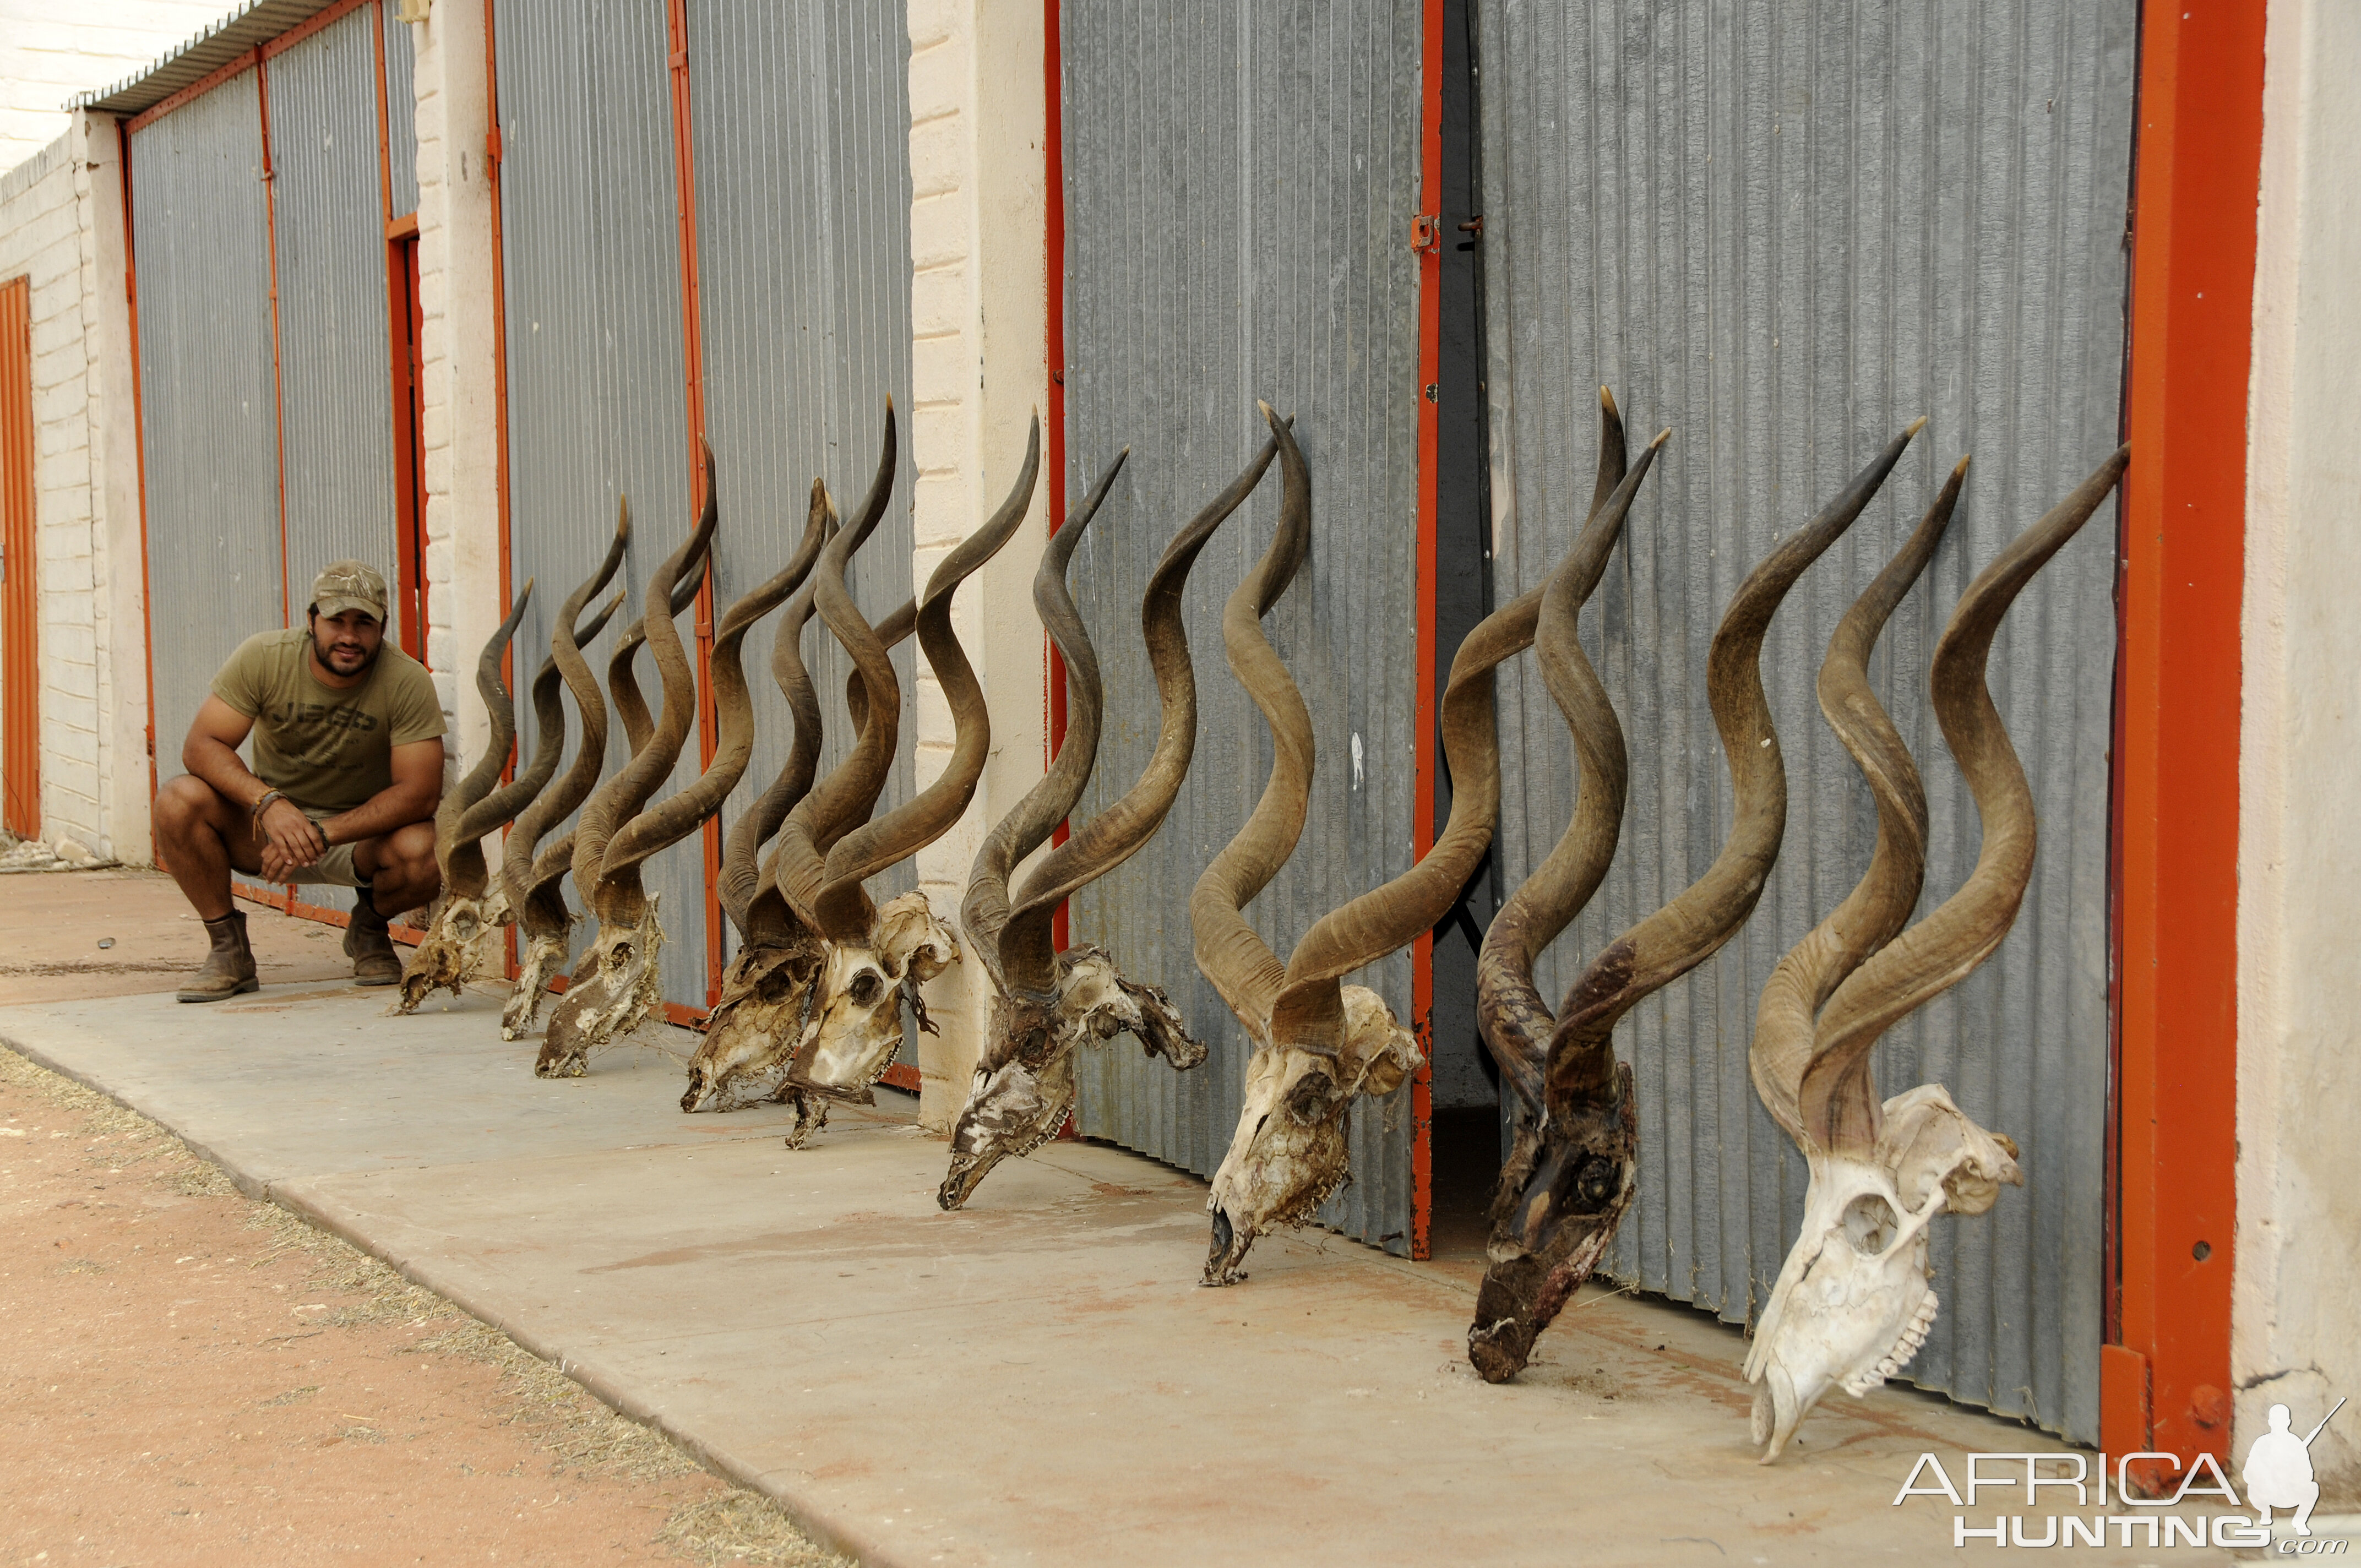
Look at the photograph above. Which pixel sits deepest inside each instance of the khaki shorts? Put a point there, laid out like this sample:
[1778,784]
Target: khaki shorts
[335,869]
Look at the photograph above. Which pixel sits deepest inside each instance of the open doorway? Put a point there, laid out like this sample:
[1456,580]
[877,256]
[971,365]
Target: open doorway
[1465,1087]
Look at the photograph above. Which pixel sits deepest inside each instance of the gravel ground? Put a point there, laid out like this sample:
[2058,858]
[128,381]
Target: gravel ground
[194,1377]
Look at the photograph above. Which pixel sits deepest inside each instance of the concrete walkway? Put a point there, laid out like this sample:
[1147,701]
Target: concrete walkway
[1038,1380]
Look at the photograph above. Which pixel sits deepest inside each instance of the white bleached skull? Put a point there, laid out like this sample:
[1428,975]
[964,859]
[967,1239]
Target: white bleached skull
[1023,1084]
[1852,1305]
[617,988]
[1288,1155]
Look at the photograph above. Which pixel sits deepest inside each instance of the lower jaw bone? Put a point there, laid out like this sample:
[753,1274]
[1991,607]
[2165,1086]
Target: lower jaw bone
[447,958]
[620,991]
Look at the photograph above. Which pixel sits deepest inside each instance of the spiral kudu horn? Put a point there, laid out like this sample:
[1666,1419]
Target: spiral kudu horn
[544,806]
[842,905]
[1880,904]
[1514,1021]
[656,748]
[1568,1178]
[742,868]
[1852,1303]
[983,912]
[461,855]
[509,802]
[659,826]
[1229,953]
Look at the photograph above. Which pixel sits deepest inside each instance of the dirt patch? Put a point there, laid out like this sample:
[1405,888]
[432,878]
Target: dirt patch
[192,1378]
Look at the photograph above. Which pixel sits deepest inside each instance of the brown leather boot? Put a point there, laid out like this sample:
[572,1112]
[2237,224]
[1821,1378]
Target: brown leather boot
[229,968]
[369,945]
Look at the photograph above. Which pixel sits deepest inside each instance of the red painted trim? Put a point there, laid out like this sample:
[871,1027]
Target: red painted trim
[493,148]
[195,90]
[2198,174]
[693,364]
[278,390]
[410,583]
[1430,362]
[284,899]
[402,227]
[139,446]
[902,1076]
[1053,160]
[313,24]
[20,618]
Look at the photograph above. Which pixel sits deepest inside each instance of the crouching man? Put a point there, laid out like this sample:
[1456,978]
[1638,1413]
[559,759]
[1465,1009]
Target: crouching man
[347,771]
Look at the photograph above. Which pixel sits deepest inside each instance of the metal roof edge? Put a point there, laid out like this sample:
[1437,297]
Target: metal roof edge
[255,23]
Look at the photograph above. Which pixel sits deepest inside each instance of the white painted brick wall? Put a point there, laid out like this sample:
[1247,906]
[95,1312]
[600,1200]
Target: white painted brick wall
[977,299]
[42,223]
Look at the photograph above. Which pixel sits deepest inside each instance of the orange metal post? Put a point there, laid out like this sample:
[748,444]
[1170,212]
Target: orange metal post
[693,358]
[138,443]
[2166,1380]
[20,664]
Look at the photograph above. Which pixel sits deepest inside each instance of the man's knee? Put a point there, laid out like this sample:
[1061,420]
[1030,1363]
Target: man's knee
[182,803]
[412,849]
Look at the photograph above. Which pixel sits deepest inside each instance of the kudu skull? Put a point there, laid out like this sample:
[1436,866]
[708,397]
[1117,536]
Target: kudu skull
[616,986]
[448,955]
[1569,1174]
[1047,1004]
[1318,1044]
[533,887]
[810,1012]
[1853,1304]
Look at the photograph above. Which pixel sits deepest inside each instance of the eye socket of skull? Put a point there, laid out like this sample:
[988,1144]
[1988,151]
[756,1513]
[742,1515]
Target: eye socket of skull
[1870,1225]
[1309,1100]
[1589,1184]
[866,987]
[621,952]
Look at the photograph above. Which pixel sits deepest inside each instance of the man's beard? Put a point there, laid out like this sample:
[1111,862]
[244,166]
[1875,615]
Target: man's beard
[321,647]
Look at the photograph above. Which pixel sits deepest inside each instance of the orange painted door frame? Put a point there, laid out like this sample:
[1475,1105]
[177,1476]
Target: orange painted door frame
[20,657]
[2164,1378]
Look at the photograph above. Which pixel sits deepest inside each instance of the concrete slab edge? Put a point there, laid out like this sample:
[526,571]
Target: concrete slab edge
[824,1525]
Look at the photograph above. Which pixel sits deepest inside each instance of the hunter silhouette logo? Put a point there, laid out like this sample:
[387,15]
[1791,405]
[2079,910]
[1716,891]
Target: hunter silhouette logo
[2278,1470]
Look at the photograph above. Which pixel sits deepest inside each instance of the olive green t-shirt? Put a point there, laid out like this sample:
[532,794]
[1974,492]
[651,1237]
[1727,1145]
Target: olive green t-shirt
[330,750]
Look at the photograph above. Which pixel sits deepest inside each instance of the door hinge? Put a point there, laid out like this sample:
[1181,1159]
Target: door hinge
[1425,233]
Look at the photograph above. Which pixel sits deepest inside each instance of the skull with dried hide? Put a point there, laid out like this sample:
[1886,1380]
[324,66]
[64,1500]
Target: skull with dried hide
[449,955]
[533,878]
[617,985]
[1320,1044]
[1853,1304]
[811,1012]
[1569,1174]
[1046,1005]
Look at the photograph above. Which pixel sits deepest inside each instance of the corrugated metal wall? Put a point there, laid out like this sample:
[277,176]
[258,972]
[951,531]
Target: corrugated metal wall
[1786,231]
[597,389]
[400,111]
[801,135]
[210,442]
[1239,189]
[335,376]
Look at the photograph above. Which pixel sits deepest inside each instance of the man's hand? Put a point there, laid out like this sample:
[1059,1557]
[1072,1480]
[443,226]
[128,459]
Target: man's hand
[290,840]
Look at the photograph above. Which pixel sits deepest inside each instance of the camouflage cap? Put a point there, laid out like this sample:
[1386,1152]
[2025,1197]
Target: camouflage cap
[349,584]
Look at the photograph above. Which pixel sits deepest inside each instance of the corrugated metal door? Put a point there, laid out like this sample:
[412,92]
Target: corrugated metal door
[801,127]
[1239,191]
[1786,231]
[201,236]
[597,377]
[400,113]
[336,378]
